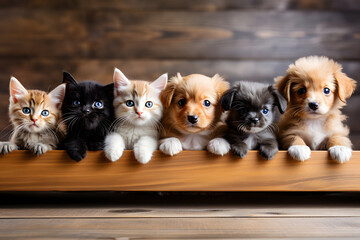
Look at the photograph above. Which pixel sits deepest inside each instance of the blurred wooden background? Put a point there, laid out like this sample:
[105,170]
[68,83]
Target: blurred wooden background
[240,39]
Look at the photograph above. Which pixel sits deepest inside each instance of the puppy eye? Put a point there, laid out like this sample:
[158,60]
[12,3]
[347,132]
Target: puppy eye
[45,113]
[265,111]
[76,103]
[129,103]
[182,102]
[301,91]
[206,103]
[26,110]
[148,104]
[326,91]
[98,104]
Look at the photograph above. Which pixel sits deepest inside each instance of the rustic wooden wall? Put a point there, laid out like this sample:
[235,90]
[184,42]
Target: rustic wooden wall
[240,39]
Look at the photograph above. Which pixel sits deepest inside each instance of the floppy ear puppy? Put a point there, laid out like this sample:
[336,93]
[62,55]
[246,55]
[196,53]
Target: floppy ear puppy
[192,114]
[251,117]
[316,89]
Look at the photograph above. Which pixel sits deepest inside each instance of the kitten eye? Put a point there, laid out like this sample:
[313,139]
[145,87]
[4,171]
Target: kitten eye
[26,110]
[206,103]
[326,91]
[265,111]
[301,91]
[76,103]
[98,104]
[129,103]
[148,104]
[45,113]
[242,111]
[182,102]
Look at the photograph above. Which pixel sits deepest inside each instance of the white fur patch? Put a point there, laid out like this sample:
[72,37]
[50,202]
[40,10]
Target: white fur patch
[299,152]
[340,153]
[315,132]
[114,146]
[218,146]
[144,148]
[170,146]
[195,141]
[6,147]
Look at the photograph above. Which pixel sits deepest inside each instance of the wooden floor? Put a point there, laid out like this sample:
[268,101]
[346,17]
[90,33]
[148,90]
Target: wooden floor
[119,215]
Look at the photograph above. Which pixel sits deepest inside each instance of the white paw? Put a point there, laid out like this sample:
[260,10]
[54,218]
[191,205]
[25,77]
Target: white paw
[218,146]
[114,147]
[299,152]
[340,153]
[40,149]
[170,146]
[143,156]
[144,148]
[6,147]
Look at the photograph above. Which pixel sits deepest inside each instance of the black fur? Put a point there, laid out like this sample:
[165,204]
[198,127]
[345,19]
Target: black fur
[246,101]
[87,125]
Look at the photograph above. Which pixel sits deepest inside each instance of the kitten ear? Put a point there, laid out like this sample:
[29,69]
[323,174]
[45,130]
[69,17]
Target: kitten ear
[279,100]
[17,91]
[68,79]
[109,88]
[57,95]
[160,83]
[120,80]
[227,99]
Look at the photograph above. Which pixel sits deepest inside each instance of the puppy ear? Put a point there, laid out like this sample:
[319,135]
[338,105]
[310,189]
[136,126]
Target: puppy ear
[279,100]
[166,95]
[220,85]
[227,99]
[346,85]
[283,85]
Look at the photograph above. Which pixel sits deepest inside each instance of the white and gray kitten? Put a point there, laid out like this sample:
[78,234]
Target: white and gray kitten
[138,111]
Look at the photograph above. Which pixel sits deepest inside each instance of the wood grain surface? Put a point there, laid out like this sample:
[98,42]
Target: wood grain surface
[188,171]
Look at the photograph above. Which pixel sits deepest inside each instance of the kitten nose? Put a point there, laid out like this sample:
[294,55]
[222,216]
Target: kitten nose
[313,105]
[255,120]
[139,113]
[193,119]
[34,120]
[86,110]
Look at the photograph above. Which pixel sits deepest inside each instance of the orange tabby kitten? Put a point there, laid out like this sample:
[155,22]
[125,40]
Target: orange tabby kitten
[35,116]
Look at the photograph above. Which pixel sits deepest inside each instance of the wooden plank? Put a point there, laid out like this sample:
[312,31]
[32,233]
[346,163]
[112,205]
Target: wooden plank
[203,5]
[178,34]
[188,171]
[182,228]
[177,212]
[229,35]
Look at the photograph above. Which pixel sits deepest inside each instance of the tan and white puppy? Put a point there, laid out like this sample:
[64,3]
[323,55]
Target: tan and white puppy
[192,114]
[316,89]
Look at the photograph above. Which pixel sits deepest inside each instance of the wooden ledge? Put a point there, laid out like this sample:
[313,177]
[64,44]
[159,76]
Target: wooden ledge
[188,171]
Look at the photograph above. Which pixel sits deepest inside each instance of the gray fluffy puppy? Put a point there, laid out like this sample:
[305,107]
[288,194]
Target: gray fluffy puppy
[250,121]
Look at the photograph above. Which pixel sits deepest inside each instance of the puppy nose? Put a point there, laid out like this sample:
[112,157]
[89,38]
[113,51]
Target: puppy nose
[255,120]
[313,105]
[193,119]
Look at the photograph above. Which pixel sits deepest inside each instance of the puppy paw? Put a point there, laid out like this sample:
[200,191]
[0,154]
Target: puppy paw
[40,149]
[6,147]
[170,146]
[268,152]
[240,151]
[218,146]
[299,152]
[340,153]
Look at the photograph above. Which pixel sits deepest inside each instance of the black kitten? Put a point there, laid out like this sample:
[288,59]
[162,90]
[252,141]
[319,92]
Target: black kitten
[88,113]
[251,118]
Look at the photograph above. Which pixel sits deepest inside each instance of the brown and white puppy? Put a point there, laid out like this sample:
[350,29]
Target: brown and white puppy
[192,114]
[316,89]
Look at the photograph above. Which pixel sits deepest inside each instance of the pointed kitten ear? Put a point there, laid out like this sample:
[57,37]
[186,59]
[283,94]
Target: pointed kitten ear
[160,83]
[57,95]
[120,80]
[17,91]
[67,78]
